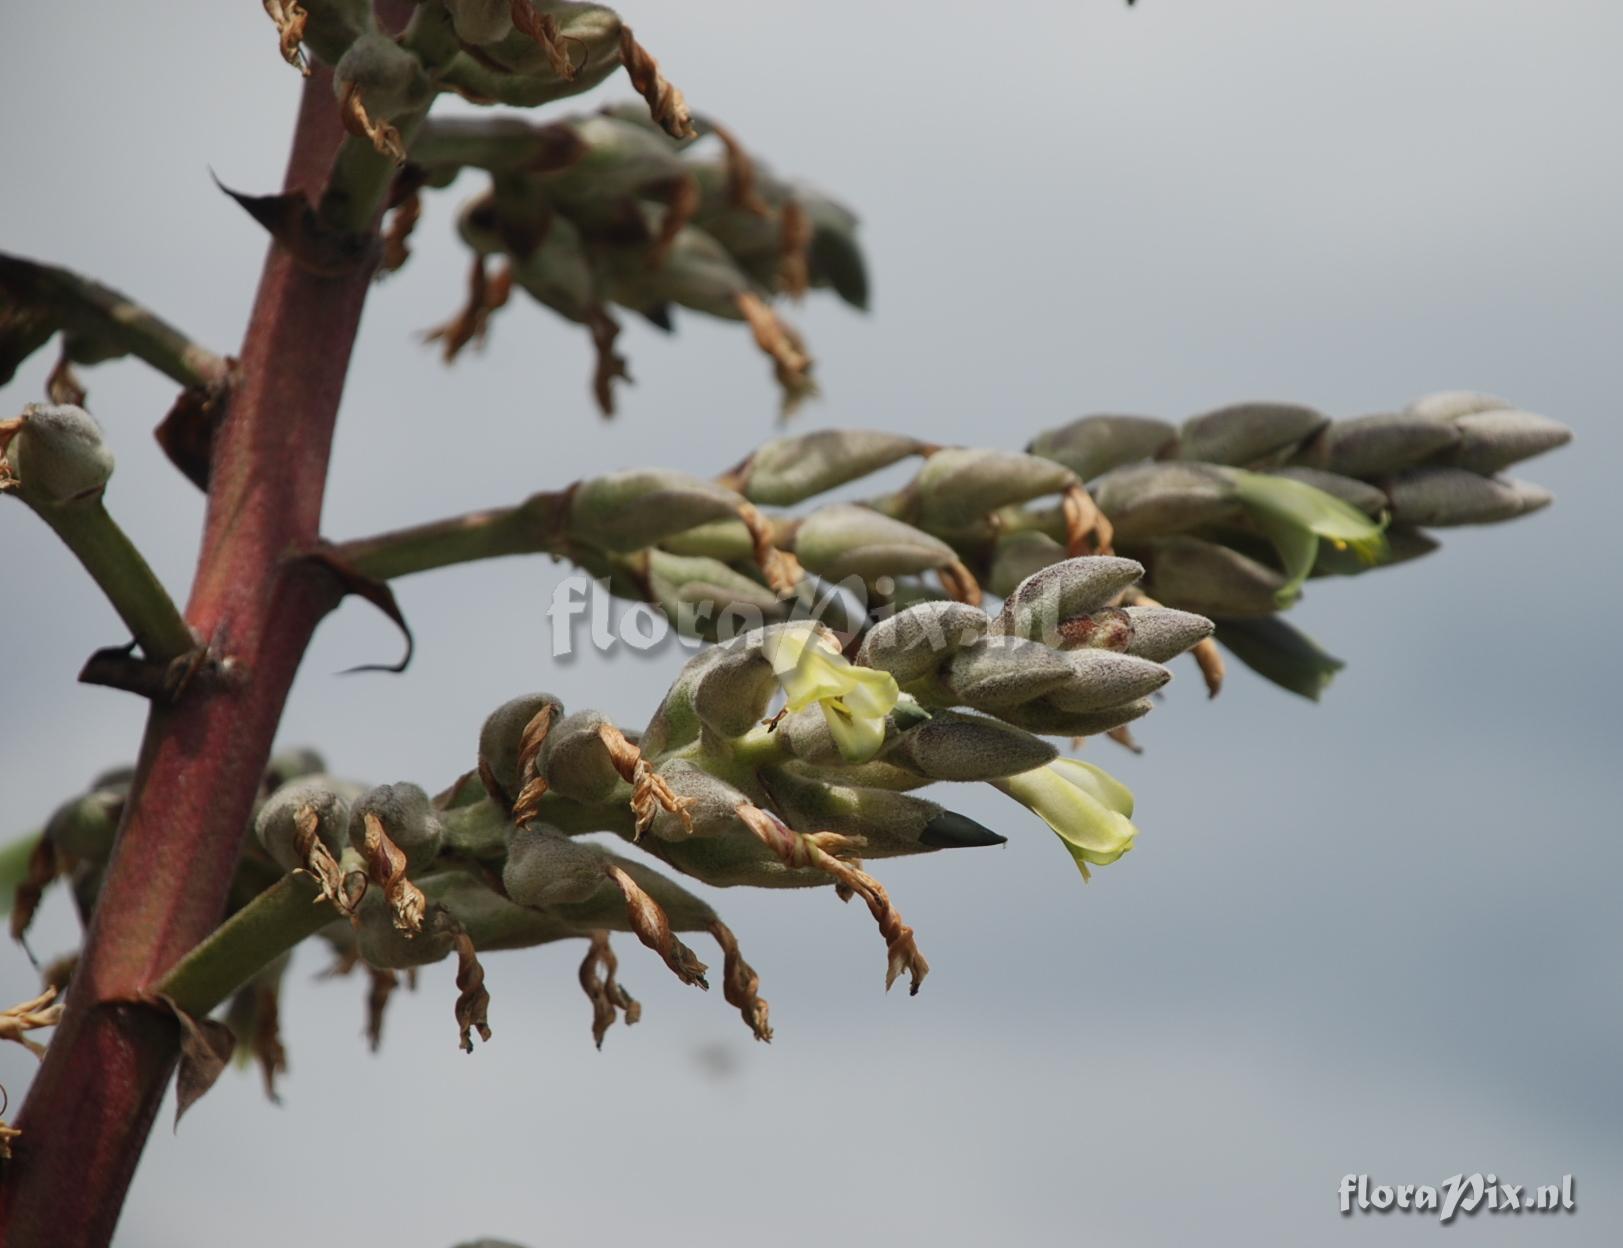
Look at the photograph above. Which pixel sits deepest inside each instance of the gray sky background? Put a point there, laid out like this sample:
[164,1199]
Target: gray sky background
[1375,935]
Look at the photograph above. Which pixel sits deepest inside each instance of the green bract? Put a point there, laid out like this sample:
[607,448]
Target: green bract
[1295,516]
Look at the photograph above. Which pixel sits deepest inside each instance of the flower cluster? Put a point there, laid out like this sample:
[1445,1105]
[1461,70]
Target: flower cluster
[717,786]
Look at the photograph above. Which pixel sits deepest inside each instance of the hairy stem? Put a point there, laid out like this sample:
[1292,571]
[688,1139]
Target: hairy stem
[92,1103]
[105,316]
[123,575]
[247,942]
[535,526]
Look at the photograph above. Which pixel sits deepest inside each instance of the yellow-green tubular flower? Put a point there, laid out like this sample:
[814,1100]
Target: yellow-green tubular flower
[855,700]
[1295,515]
[1088,808]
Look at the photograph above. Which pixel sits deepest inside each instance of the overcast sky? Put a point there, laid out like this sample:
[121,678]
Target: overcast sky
[1376,935]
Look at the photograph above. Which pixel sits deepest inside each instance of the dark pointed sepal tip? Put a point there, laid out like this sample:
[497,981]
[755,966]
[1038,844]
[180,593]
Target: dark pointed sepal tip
[950,830]
[660,317]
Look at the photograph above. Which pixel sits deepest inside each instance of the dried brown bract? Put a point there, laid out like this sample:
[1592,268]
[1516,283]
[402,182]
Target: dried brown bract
[386,868]
[817,850]
[653,927]
[608,998]
[290,18]
[740,982]
[665,102]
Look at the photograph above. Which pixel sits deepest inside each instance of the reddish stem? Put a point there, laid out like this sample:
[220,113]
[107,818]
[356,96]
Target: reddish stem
[92,1104]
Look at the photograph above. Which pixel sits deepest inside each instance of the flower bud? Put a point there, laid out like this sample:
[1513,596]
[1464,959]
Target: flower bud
[1161,498]
[1438,497]
[383,945]
[575,760]
[1002,671]
[286,766]
[1096,444]
[1160,633]
[1371,446]
[698,592]
[481,21]
[1075,587]
[675,721]
[959,487]
[1247,433]
[835,258]
[1452,404]
[625,511]
[955,746]
[890,823]
[545,868]
[1492,441]
[844,539]
[1019,555]
[914,643]
[390,79]
[785,471]
[1101,679]
[712,804]
[407,816]
[733,694]
[1278,652]
[1044,717]
[276,824]
[502,733]
[1204,577]
[57,455]
[84,826]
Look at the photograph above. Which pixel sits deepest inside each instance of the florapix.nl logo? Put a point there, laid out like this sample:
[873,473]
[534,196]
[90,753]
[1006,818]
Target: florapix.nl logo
[1463,1193]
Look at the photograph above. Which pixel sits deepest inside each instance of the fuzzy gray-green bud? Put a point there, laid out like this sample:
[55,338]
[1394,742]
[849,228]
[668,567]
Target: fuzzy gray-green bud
[276,824]
[1019,555]
[700,593]
[959,487]
[625,511]
[1370,446]
[1096,444]
[545,868]
[58,455]
[734,691]
[84,827]
[712,804]
[1492,441]
[1247,433]
[502,733]
[786,471]
[390,79]
[1452,404]
[383,945]
[407,816]
[575,760]
[1001,671]
[1204,577]
[292,764]
[1162,633]
[481,21]
[955,746]
[1101,679]
[1044,717]
[1439,497]
[1063,590]
[890,823]
[914,643]
[1156,499]
[844,540]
